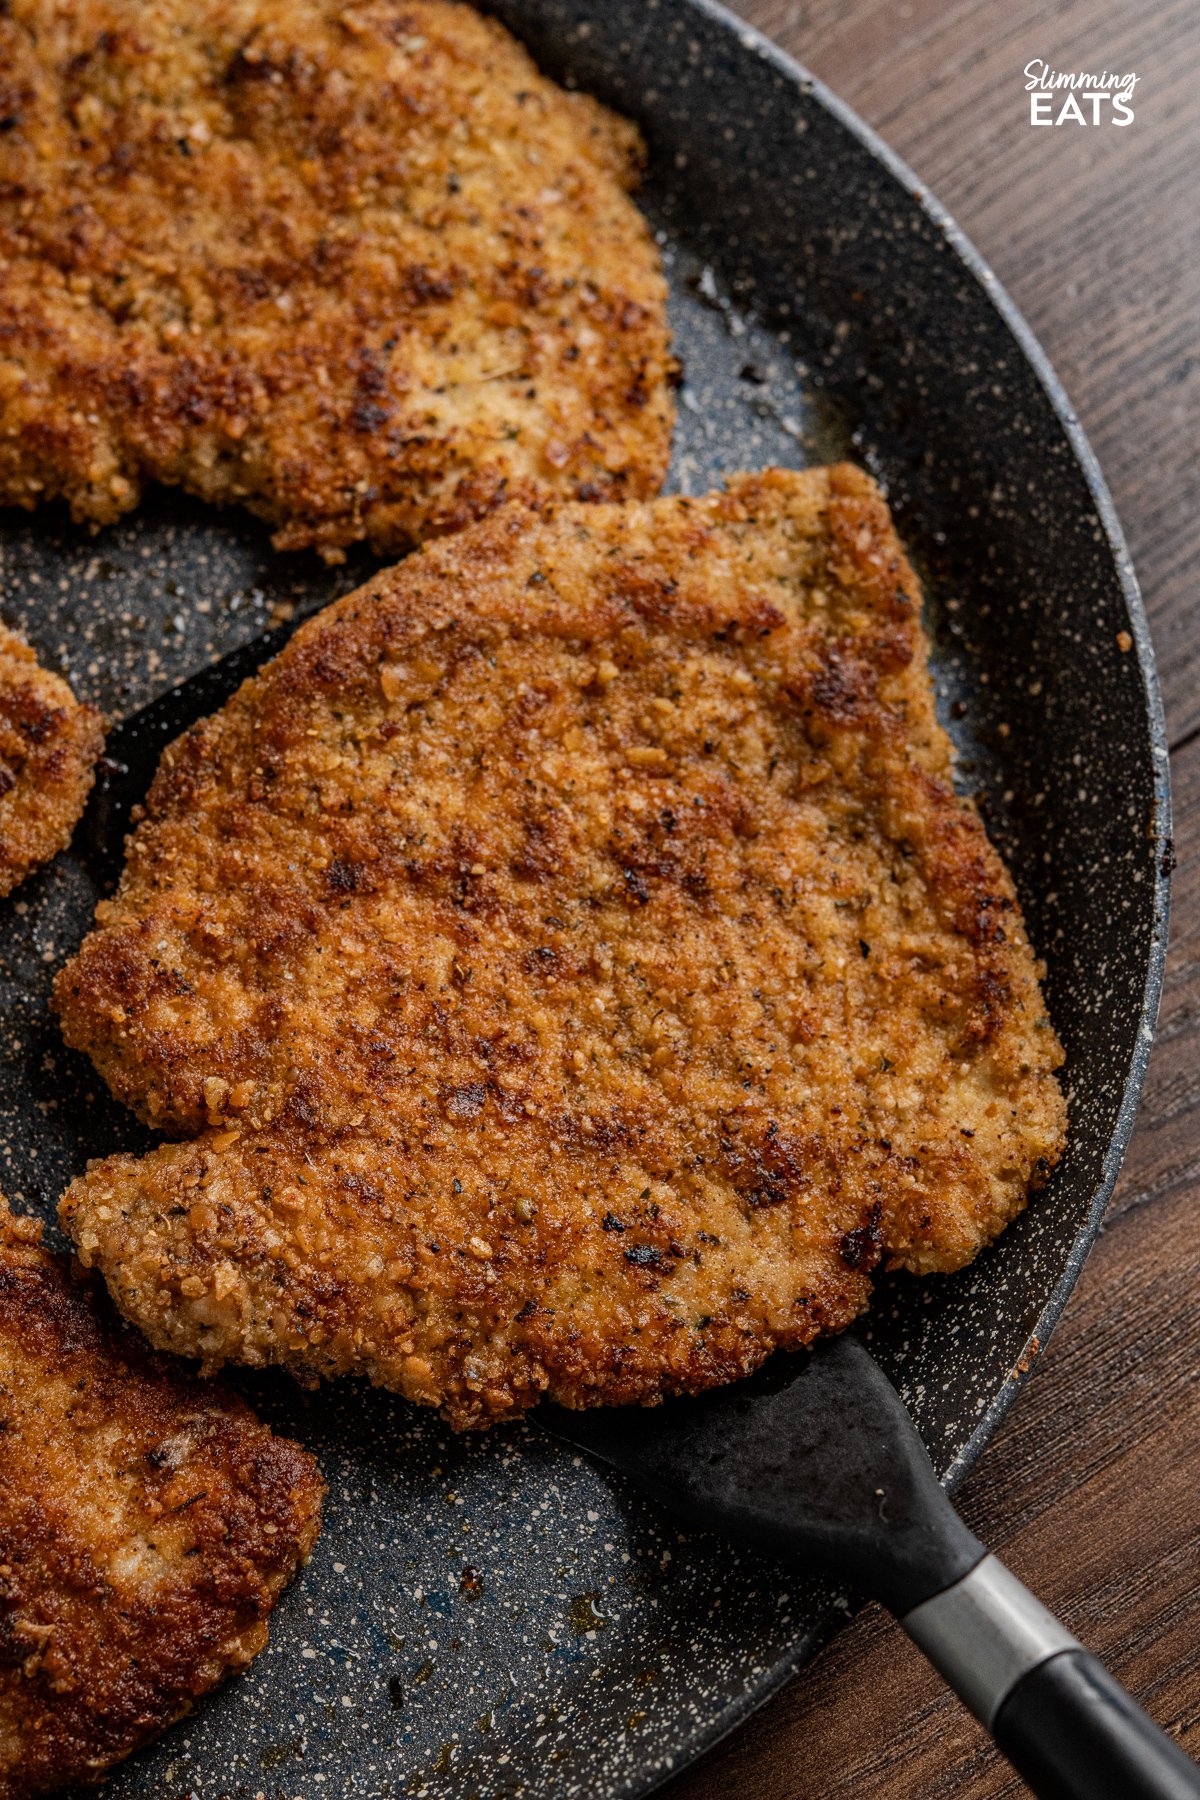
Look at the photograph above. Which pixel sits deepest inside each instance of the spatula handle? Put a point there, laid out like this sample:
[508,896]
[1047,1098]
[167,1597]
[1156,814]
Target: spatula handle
[1073,1733]
[1068,1728]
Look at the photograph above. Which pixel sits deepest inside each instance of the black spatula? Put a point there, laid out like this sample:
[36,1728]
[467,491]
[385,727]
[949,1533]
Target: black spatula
[815,1462]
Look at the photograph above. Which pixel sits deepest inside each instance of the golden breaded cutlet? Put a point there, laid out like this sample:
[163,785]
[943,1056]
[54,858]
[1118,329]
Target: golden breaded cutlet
[359,268]
[148,1523]
[49,744]
[571,967]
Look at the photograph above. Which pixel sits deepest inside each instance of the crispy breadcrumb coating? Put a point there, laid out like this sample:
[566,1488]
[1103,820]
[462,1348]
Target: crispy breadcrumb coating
[148,1523]
[357,267]
[572,965]
[49,744]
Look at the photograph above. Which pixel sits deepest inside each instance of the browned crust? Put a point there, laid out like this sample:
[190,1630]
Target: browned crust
[148,1522]
[574,966]
[357,267]
[49,744]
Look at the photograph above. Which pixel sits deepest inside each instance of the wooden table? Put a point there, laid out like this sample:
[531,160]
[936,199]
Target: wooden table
[1091,1491]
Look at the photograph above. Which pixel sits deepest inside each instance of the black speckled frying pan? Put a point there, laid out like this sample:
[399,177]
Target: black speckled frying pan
[492,1616]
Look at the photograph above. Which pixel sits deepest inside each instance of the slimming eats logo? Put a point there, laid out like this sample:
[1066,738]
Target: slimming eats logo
[1058,98]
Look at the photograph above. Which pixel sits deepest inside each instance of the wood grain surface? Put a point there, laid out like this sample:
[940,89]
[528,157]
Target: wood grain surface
[1090,1491]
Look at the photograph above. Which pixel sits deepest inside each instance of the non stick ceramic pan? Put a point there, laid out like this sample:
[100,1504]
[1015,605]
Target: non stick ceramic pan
[490,1615]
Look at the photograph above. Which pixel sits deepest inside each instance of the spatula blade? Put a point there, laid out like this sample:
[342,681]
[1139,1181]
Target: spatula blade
[814,1460]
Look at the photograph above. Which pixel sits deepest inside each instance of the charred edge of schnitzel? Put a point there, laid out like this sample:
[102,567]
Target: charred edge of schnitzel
[49,745]
[574,965]
[361,269]
[148,1523]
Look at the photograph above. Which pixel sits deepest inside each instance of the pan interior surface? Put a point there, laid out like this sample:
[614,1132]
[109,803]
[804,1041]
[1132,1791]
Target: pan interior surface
[491,1615]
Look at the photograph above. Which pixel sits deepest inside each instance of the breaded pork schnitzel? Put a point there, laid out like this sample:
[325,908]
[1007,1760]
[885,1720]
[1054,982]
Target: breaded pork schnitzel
[148,1523]
[49,743]
[572,967]
[357,267]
